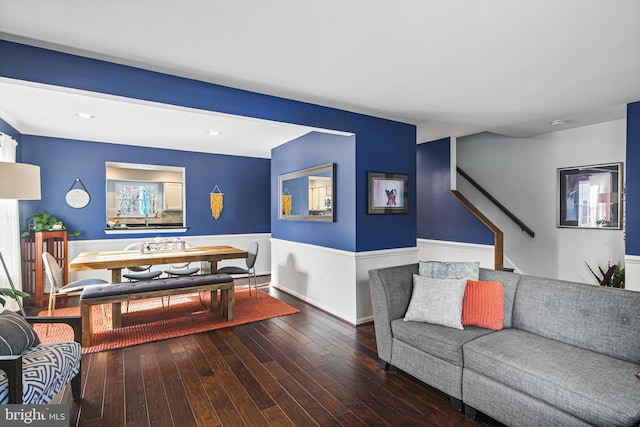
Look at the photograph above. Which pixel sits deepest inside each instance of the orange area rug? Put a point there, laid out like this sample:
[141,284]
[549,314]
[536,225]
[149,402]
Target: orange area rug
[147,321]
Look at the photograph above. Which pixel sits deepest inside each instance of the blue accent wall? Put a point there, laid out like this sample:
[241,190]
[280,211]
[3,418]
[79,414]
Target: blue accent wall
[380,145]
[440,215]
[315,149]
[388,148]
[632,167]
[243,180]
[46,66]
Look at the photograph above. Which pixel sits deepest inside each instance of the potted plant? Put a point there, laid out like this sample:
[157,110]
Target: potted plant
[613,277]
[43,221]
[10,293]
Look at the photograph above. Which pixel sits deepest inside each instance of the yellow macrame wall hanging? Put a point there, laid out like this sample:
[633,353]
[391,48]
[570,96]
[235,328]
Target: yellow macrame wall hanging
[216,202]
[286,202]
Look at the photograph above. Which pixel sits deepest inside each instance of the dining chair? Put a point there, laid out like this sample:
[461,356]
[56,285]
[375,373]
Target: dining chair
[181,270]
[58,287]
[140,272]
[250,271]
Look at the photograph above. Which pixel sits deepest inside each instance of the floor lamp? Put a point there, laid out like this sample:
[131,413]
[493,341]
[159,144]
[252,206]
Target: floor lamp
[18,181]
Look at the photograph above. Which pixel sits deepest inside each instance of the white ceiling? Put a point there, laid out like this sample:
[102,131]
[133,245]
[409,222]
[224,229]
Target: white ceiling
[36,109]
[452,68]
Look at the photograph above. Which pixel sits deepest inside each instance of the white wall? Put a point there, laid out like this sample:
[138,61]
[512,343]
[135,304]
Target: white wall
[632,272]
[439,250]
[334,280]
[521,174]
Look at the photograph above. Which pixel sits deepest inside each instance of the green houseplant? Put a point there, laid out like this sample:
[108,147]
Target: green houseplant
[43,221]
[613,277]
[10,293]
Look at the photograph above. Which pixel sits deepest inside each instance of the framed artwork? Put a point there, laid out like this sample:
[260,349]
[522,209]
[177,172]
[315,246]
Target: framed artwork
[590,196]
[388,193]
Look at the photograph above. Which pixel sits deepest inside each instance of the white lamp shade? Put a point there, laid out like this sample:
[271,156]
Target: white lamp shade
[19,181]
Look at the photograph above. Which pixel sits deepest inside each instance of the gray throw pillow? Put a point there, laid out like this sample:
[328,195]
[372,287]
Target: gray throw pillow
[16,334]
[437,301]
[449,269]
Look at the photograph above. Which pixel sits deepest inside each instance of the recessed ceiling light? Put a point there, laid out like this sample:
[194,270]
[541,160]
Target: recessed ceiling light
[214,133]
[85,115]
[558,122]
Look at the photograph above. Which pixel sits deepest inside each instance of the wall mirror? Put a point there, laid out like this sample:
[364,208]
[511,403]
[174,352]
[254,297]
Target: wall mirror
[308,194]
[77,198]
[143,196]
[590,196]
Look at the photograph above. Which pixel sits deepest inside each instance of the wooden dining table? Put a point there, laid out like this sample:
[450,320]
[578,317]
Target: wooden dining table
[117,260]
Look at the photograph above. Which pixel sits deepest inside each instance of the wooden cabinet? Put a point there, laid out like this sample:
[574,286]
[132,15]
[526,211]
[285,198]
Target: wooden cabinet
[33,277]
[172,196]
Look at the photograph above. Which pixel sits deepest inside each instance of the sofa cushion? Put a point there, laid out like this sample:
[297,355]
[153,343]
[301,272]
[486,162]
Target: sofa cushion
[449,269]
[594,387]
[439,341]
[437,301]
[46,369]
[509,284]
[483,304]
[606,320]
[16,335]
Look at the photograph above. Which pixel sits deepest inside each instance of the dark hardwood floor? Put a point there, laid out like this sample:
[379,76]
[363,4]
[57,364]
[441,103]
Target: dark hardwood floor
[304,369]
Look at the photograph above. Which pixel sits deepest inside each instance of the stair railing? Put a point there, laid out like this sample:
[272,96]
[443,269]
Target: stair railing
[499,205]
[498,235]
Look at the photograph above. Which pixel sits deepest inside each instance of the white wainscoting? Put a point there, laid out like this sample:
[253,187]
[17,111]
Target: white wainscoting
[632,272]
[242,241]
[366,261]
[440,250]
[333,280]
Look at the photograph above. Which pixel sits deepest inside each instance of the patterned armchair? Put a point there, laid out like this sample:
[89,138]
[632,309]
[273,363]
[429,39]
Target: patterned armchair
[33,373]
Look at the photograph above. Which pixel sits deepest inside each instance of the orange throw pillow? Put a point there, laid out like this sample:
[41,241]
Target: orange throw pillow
[483,304]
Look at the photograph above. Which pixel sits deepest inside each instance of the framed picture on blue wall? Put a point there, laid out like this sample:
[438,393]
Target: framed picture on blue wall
[590,196]
[388,193]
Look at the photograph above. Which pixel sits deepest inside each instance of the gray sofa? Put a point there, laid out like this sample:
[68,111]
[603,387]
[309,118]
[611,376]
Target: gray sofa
[567,355]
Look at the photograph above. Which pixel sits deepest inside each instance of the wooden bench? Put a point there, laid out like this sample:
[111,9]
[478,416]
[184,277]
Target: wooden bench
[117,293]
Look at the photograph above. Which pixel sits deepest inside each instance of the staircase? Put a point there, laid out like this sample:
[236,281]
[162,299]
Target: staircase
[498,235]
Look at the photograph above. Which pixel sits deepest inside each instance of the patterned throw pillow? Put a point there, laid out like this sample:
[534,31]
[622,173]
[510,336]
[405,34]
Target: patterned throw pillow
[449,270]
[16,335]
[483,304]
[437,301]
